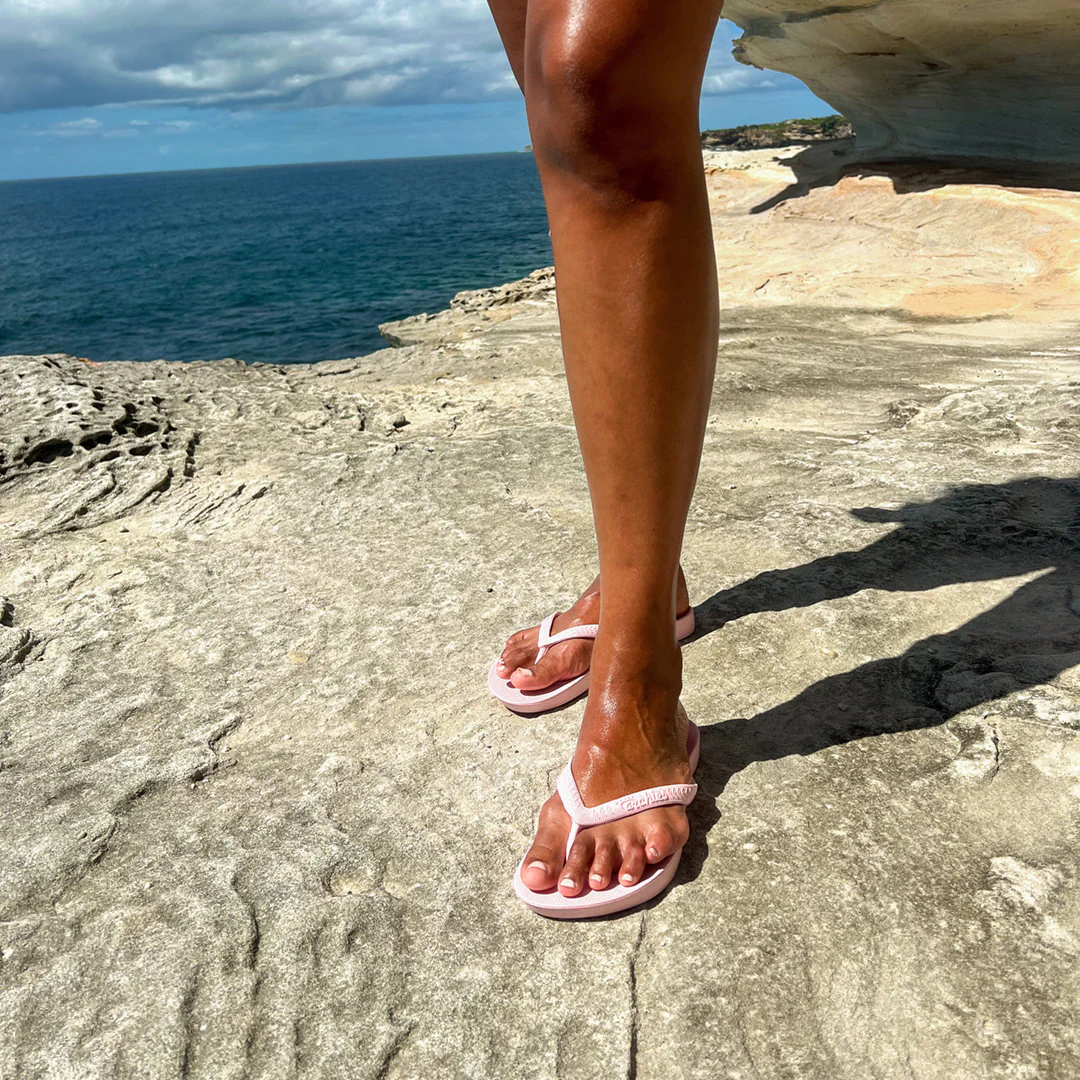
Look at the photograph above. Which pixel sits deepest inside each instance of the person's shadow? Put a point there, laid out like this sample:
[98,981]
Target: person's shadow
[976,532]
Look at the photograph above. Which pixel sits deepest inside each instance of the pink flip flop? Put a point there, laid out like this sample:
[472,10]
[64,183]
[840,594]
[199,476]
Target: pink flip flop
[588,904]
[551,697]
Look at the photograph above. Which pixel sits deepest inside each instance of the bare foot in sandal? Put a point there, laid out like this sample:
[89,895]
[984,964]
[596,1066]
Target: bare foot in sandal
[566,659]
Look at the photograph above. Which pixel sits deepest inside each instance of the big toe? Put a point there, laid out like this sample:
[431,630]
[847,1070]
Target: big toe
[544,860]
[518,651]
[566,660]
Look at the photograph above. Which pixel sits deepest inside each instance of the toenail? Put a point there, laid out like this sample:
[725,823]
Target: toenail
[628,878]
[654,853]
[524,671]
[537,865]
[596,877]
[567,882]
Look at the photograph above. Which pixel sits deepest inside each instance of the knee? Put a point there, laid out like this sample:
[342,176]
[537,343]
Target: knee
[594,113]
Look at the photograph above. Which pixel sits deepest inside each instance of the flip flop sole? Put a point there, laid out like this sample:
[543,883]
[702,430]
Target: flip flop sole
[590,904]
[530,702]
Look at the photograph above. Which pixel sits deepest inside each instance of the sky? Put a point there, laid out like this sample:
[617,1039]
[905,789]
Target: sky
[114,86]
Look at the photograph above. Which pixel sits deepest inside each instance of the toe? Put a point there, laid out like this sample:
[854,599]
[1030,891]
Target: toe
[633,864]
[520,649]
[563,661]
[572,877]
[604,861]
[544,860]
[664,838]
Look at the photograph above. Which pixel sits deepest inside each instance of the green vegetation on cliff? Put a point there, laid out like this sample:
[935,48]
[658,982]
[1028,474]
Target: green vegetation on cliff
[784,133]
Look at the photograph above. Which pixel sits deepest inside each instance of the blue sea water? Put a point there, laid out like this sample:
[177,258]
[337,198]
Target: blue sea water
[289,264]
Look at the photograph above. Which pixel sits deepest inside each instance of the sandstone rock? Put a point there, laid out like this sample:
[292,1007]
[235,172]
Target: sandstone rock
[950,79]
[814,226]
[259,815]
[474,307]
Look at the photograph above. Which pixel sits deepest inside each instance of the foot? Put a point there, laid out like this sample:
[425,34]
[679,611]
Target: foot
[633,736]
[567,659]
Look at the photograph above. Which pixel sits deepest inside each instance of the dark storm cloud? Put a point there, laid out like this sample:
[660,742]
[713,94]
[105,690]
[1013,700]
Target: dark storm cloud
[64,53]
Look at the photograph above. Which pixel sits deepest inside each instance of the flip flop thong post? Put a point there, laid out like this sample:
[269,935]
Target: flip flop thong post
[529,702]
[589,904]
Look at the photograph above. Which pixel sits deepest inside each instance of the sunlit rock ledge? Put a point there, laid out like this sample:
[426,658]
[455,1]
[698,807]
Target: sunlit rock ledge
[991,79]
[994,252]
[260,816]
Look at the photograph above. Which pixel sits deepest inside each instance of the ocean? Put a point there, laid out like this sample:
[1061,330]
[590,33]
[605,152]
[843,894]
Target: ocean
[284,264]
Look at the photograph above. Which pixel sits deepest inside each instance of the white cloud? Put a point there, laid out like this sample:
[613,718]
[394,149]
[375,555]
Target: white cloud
[89,125]
[86,126]
[738,80]
[249,53]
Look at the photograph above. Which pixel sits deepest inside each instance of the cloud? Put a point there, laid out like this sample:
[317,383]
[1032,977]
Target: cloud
[740,80]
[86,126]
[89,125]
[251,53]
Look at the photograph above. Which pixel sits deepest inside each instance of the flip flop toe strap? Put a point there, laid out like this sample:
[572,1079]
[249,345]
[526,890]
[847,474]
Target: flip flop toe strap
[546,638]
[584,816]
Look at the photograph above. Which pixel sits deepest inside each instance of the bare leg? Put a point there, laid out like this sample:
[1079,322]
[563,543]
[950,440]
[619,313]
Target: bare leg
[611,88]
[570,658]
[510,18]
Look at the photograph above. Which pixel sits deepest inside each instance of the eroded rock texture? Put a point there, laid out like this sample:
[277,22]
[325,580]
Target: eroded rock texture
[957,78]
[814,226]
[259,816]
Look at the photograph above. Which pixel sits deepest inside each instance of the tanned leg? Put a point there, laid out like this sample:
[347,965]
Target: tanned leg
[611,89]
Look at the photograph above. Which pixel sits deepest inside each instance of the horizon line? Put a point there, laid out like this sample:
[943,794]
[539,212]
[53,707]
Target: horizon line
[274,165]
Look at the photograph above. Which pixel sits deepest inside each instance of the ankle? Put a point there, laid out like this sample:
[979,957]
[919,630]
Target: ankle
[648,735]
[643,651]
[640,593]
[634,685]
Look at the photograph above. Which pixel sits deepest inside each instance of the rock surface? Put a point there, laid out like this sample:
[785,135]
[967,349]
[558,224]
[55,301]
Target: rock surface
[954,78]
[814,226]
[259,815]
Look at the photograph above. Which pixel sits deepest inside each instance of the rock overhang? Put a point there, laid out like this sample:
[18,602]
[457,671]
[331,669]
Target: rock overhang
[950,80]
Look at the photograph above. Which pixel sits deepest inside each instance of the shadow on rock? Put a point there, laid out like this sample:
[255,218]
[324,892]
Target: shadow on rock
[827,163]
[978,532]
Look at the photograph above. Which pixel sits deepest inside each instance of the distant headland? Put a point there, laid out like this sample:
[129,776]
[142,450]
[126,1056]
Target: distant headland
[784,133]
